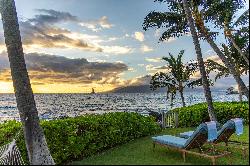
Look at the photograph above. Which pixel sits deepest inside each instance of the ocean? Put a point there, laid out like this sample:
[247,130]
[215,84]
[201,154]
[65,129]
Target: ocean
[53,106]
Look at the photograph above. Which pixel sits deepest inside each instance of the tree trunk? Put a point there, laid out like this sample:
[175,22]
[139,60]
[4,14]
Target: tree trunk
[230,37]
[238,49]
[229,65]
[240,93]
[205,81]
[36,145]
[182,96]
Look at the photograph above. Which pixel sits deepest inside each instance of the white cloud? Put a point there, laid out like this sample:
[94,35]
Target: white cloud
[117,49]
[141,65]
[2,48]
[139,36]
[119,61]
[97,25]
[153,59]
[157,33]
[215,58]
[131,69]
[153,69]
[146,48]
[171,39]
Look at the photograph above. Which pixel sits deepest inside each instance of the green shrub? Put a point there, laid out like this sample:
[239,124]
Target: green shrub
[74,138]
[192,116]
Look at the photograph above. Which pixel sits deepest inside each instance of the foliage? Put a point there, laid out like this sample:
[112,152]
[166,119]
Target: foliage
[196,114]
[177,78]
[140,152]
[233,55]
[75,138]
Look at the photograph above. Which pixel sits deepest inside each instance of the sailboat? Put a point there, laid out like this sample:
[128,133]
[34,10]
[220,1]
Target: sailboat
[93,91]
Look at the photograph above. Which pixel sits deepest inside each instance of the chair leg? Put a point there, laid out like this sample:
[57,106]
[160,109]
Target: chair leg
[213,160]
[244,153]
[184,156]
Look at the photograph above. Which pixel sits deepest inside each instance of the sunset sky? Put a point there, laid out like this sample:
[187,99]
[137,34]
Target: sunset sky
[74,45]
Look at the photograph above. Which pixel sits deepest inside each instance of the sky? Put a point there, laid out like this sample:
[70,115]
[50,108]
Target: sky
[72,46]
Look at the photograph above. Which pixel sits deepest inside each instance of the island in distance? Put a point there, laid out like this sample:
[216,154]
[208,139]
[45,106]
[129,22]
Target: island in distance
[146,89]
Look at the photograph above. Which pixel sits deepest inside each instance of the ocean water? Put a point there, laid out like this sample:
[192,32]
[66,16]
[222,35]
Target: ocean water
[52,106]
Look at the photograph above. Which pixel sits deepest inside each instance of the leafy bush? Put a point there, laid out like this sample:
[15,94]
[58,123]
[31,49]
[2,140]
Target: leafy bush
[192,116]
[74,138]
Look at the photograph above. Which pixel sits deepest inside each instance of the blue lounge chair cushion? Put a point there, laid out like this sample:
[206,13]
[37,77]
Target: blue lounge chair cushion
[230,124]
[201,129]
[186,134]
[212,131]
[238,126]
[171,140]
[178,141]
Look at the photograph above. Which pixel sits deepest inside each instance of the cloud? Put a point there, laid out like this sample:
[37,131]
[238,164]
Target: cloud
[41,31]
[140,80]
[52,17]
[171,39]
[117,49]
[50,69]
[97,25]
[2,48]
[154,69]
[146,48]
[153,59]
[139,36]
[141,65]
[215,58]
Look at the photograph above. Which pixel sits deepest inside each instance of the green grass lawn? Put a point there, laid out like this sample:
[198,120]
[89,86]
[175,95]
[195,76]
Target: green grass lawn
[140,152]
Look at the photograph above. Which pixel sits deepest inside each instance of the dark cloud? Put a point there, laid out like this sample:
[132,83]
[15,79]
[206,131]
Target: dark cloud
[45,68]
[41,30]
[52,17]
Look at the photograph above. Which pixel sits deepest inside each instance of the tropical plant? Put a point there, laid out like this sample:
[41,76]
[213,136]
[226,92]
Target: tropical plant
[177,22]
[222,14]
[36,145]
[176,25]
[240,64]
[202,16]
[178,77]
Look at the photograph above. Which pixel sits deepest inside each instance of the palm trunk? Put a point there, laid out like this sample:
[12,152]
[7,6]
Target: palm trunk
[229,65]
[182,96]
[205,81]
[240,93]
[182,99]
[36,145]
[229,36]
[238,49]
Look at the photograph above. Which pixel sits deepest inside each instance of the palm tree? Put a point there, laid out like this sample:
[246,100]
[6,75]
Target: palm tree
[160,80]
[200,60]
[222,13]
[177,79]
[240,63]
[205,32]
[36,145]
[177,25]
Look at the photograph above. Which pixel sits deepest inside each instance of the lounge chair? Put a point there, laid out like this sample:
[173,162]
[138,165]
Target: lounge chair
[195,141]
[224,133]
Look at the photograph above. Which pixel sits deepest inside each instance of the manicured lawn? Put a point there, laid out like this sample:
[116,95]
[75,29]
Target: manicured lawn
[140,152]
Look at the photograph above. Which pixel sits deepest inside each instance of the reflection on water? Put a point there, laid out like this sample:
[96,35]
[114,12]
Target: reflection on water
[52,106]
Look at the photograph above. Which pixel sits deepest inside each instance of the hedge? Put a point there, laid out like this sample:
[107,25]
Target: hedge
[192,116]
[74,138]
